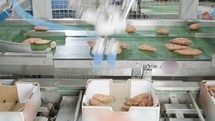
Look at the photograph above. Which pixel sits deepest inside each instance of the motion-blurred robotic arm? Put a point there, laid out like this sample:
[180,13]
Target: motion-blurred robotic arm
[108,18]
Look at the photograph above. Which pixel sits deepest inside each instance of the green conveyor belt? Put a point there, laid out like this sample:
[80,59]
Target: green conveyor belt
[206,29]
[174,31]
[14,33]
[160,9]
[132,53]
[181,31]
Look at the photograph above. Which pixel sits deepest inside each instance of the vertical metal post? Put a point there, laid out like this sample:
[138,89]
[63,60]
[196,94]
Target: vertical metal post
[188,9]
[78,107]
[42,9]
[196,106]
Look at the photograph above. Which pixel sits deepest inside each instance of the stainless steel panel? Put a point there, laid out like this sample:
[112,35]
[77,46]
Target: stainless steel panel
[183,119]
[176,85]
[213,61]
[51,85]
[45,33]
[205,35]
[38,66]
[26,69]
[201,117]
[41,119]
[148,22]
[6,46]
[58,21]
[67,108]
[180,108]
[37,58]
[73,33]
[174,101]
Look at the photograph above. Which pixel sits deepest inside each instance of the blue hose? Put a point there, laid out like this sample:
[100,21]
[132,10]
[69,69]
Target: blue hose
[98,58]
[111,59]
[4,15]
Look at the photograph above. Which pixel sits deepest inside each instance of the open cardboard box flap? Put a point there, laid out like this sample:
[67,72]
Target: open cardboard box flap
[9,100]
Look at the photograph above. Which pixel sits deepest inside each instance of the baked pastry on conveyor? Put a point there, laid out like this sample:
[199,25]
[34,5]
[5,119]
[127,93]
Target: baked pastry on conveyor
[175,47]
[189,51]
[181,41]
[147,47]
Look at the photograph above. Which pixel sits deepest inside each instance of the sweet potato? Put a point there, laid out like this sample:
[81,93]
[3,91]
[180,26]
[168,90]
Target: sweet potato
[211,88]
[40,28]
[194,26]
[53,44]
[103,98]
[144,102]
[163,31]
[175,47]
[122,45]
[130,29]
[206,16]
[125,108]
[150,100]
[42,41]
[135,101]
[181,41]
[94,102]
[189,51]
[147,47]
[31,40]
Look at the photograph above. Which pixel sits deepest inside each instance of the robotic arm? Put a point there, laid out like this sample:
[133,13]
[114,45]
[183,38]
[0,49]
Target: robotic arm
[108,18]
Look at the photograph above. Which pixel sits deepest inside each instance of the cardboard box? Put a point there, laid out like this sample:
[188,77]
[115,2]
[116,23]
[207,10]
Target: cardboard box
[121,92]
[19,102]
[207,100]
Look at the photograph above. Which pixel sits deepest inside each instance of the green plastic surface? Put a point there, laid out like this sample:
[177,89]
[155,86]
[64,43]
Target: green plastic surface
[160,9]
[132,53]
[15,33]
[175,31]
